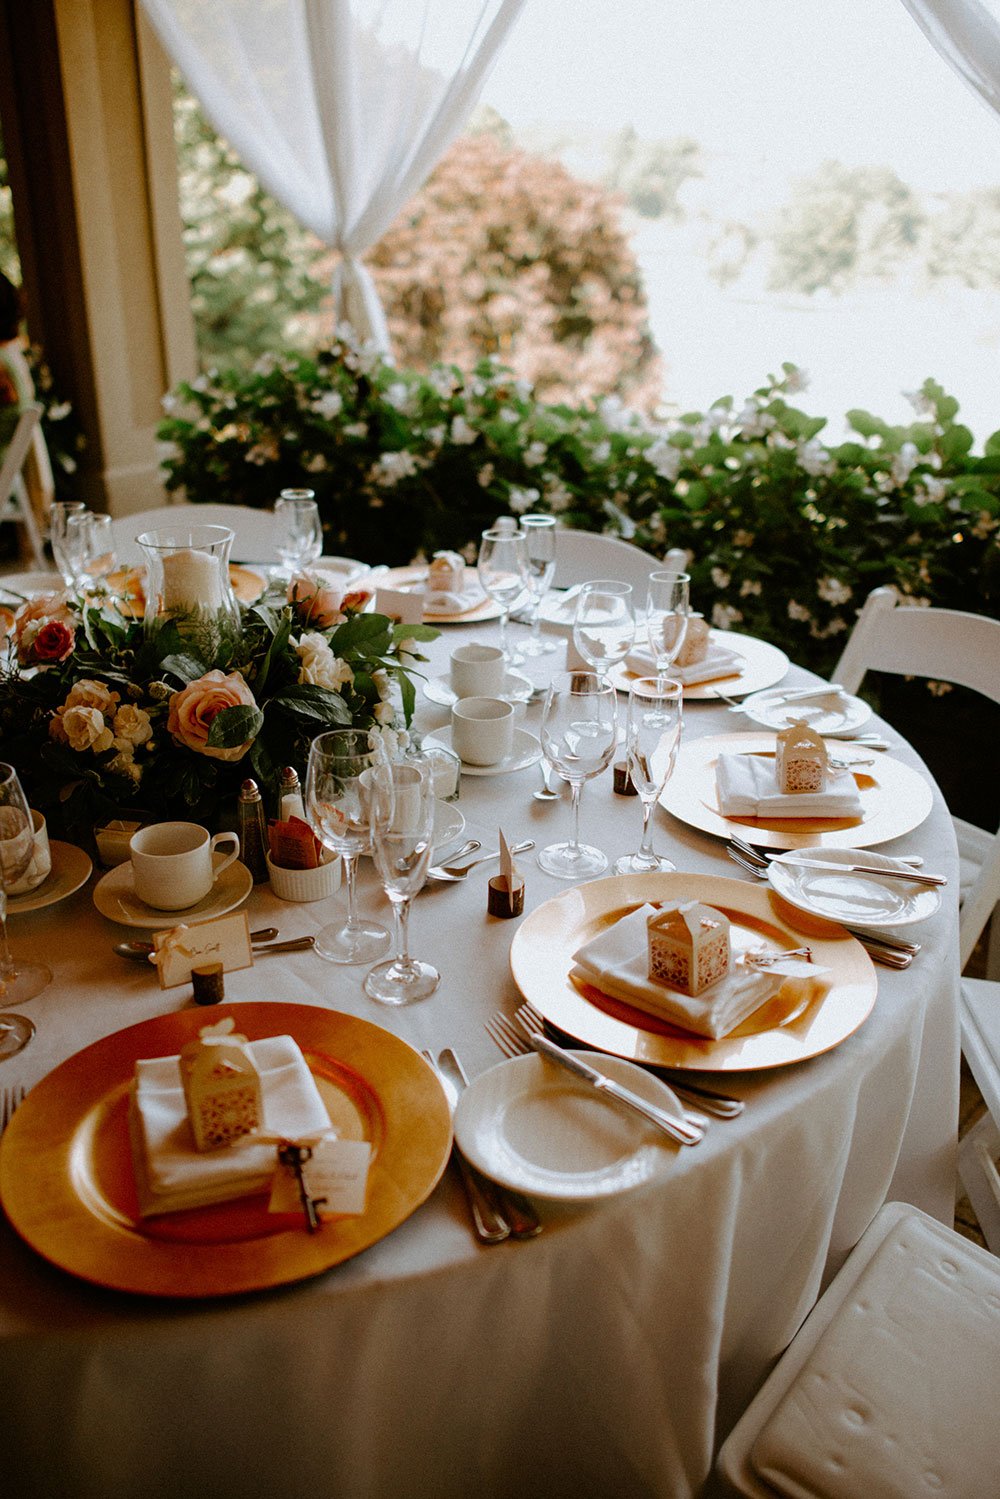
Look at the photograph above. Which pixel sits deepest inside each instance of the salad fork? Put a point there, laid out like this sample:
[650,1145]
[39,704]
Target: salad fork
[9,1100]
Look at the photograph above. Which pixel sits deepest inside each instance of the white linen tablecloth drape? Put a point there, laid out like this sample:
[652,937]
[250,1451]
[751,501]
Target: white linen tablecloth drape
[606,1358]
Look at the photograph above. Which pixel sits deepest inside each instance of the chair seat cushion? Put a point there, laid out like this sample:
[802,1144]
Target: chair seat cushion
[897,1398]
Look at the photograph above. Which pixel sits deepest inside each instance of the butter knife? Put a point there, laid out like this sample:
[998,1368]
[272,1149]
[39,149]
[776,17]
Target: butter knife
[682,1132]
[512,1206]
[912,876]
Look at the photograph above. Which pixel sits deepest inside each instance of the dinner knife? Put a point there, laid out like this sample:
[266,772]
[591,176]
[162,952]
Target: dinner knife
[512,1206]
[489,1225]
[912,876]
[680,1131]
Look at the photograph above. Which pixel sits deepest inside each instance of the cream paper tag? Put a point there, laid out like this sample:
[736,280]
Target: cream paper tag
[508,869]
[404,608]
[225,940]
[337,1171]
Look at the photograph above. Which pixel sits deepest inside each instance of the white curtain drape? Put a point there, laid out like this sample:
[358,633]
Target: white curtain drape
[967,35]
[341,108]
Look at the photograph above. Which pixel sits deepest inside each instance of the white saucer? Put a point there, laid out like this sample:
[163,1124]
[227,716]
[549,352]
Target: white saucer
[526,751]
[70,869]
[516,689]
[861,900]
[533,1127]
[449,825]
[839,713]
[115,898]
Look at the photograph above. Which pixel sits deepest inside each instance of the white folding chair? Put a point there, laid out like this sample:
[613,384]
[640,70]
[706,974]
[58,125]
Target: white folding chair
[15,503]
[951,646]
[584,555]
[889,1387]
[253,539]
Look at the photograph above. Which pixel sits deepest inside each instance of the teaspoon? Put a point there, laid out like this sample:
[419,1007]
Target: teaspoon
[546,794]
[140,951]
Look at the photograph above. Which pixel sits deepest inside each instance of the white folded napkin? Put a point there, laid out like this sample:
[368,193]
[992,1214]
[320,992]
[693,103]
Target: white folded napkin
[747,787]
[718,661]
[617,963]
[441,601]
[172,1175]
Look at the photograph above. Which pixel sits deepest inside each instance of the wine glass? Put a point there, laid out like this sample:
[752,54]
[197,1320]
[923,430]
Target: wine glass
[652,738]
[402,833]
[503,574]
[337,795]
[19,981]
[299,528]
[99,555]
[75,546]
[668,609]
[579,736]
[604,626]
[59,513]
[540,547]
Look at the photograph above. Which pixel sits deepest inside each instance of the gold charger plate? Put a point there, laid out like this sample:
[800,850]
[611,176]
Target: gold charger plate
[761,665]
[894,798]
[66,1178]
[404,579]
[787,1028]
[128,584]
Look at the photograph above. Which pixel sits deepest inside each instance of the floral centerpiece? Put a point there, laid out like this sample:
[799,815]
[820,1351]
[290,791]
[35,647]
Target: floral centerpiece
[99,714]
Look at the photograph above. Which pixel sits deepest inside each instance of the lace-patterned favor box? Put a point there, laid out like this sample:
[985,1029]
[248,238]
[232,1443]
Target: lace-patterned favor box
[221,1086]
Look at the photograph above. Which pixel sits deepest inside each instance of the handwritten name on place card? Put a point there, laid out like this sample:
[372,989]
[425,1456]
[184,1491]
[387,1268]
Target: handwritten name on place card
[225,940]
[336,1171]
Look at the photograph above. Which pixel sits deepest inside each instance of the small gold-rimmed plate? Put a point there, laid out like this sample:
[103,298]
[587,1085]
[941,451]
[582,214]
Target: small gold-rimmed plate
[788,1027]
[894,799]
[67,1185]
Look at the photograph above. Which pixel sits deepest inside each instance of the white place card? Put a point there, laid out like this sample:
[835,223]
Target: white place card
[225,940]
[403,608]
[337,1170]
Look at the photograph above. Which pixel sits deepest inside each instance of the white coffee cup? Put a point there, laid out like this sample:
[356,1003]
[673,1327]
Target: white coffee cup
[175,864]
[41,859]
[478,671]
[482,730]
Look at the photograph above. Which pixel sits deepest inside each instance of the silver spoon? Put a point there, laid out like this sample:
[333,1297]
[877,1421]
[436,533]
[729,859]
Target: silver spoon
[140,951]
[546,794]
[458,872]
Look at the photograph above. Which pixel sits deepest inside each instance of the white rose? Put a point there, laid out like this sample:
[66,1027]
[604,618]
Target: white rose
[320,667]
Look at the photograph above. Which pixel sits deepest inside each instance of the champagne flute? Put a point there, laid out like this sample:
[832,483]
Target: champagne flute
[579,736]
[337,795]
[652,738]
[540,546]
[503,574]
[59,513]
[19,981]
[402,833]
[604,626]
[299,528]
[668,610]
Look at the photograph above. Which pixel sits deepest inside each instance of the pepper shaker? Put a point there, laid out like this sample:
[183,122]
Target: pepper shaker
[252,828]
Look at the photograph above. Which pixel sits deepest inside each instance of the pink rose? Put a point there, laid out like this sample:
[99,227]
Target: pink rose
[355,601]
[193,709]
[317,599]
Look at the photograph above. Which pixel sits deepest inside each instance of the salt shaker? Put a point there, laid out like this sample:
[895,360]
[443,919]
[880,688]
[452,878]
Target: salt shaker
[252,828]
[290,802]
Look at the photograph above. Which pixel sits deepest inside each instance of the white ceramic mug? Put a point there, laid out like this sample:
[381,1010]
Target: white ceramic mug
[478,671]
[174,864]
[482,730]
[41,858]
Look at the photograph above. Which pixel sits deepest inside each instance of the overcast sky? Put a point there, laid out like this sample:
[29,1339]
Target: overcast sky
[798,79]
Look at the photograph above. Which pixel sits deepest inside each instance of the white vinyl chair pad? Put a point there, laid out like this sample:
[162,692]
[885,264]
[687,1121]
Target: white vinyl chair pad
[889,1389]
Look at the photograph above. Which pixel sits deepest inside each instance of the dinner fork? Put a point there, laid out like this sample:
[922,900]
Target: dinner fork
[9,1100]
[708,1100]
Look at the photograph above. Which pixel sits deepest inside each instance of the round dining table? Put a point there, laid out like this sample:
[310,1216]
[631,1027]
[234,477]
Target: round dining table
[608,1356]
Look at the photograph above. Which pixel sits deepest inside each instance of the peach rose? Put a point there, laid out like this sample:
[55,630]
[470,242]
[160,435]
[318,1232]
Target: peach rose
[317,600]
[193,709]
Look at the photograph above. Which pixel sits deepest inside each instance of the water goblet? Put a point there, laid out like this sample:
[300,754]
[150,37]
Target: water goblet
[100,557]
[604,626]
[299,530]
[19,980]
[59,513]
[668,609]
[579,736]
[76,547]
[338,790]
[652,738]
[402,834]
[540,547]
[503,574]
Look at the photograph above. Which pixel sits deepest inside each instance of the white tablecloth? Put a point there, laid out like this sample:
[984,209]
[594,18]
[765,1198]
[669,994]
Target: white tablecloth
[606,1358]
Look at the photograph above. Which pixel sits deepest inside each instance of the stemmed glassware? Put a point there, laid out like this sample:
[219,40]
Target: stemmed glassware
[402,834]
[85,550]
[540,546]
[339,787]
[652,738]
[579,736]
[604,626]
[19,981]
[503,574]
[668,609]
[298,528]
[59,514]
